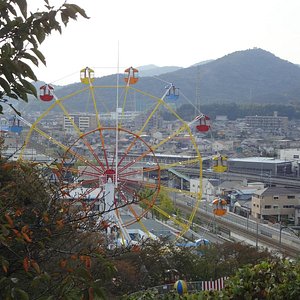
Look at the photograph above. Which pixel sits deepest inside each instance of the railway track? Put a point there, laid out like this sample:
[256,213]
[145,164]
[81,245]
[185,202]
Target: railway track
[257,237]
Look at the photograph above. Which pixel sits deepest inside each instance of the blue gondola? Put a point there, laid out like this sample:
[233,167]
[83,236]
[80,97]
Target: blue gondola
[172,93]
[15,125]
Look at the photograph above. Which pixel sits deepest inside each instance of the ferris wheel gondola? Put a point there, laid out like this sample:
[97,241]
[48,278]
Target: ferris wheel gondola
[219,163]
[219,206]
[46,92]
[131,75]
[87,75]
[204,124]
[172,93]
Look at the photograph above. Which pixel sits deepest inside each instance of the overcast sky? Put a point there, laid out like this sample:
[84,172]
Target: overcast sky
[168,33]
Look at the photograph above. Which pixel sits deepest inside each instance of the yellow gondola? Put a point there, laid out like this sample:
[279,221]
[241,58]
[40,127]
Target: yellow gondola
[87,75]
[219,163]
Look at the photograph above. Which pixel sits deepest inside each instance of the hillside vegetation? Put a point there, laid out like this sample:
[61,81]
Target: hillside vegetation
[250,76]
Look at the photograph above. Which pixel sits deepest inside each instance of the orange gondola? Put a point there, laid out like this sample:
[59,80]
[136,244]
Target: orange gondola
[87,75]
[204,124]
[219,207]
[131,75]
[46,92]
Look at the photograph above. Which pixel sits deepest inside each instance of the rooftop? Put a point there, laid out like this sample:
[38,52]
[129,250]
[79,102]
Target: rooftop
[270,160]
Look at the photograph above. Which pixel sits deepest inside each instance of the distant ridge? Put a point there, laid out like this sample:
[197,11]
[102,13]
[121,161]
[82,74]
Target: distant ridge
[248,76]
[153,70]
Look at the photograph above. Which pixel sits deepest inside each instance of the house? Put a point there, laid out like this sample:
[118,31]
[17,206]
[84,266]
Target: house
[209,187]
[275,203]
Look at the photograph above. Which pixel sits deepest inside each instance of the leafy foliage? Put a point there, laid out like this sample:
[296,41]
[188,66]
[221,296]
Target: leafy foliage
[42,252]
[21,34]
[271,279]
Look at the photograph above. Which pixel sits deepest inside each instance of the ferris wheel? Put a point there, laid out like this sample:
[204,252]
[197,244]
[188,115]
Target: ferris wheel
[117,154]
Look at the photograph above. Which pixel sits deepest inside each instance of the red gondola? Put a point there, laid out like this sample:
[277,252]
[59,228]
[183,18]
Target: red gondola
[46,92]
[204,124]
[131,75]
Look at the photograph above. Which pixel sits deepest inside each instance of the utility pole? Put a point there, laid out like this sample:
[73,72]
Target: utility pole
[256,243]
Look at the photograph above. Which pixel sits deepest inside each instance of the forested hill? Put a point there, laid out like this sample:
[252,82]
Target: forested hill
[254,75]
[250,76]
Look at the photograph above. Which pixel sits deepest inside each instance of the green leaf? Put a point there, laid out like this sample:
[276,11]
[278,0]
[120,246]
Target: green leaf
[18,43]
[5,85]
[23,7]
[75,8]
[31,57]
[11,9]
[30,87]
[19,294]
[39,54]
[26,71]
[64,18]
[6,50]
[39,32]
[13,95]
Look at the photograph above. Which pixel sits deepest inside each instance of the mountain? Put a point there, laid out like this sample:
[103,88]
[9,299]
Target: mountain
[253,75]
[153,70]
[249,76]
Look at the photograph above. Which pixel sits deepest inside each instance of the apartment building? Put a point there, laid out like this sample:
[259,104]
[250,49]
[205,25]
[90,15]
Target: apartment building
[83,121]
[275,203]
[268,123]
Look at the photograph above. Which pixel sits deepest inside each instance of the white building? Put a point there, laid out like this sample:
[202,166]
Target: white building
[83,121]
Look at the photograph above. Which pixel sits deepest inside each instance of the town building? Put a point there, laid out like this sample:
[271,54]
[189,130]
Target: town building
[275,203]
[84,122]
[264,166]
[268,123]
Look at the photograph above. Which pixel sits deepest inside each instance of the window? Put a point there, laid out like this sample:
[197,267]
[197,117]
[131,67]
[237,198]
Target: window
[296,156]
[267,206]
[288,206]
[275,206]
[275,197]
[291,196]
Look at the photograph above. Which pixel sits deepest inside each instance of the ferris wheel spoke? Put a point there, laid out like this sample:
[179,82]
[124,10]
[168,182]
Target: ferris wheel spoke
[103,147]
[137,136]
[138,182]
[84,160]
[137,218]
[92,91]
[62,146]
[165,214]
[127,87]
[81,135]
[136,160]
[140,171]
[186,162]
[167,139]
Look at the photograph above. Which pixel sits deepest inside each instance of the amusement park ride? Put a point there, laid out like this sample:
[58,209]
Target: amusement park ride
[102,160]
